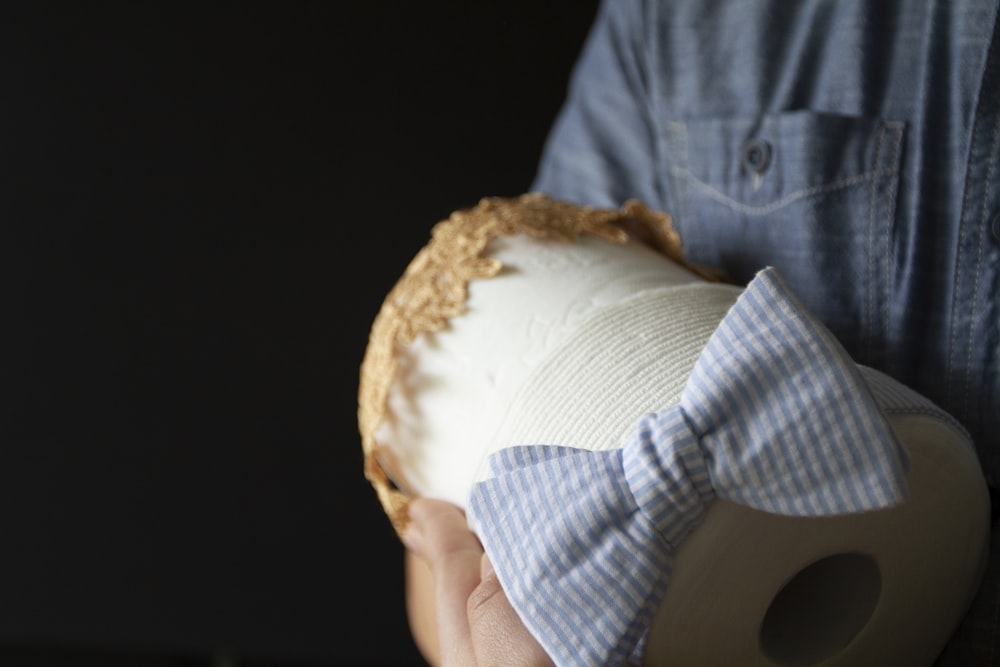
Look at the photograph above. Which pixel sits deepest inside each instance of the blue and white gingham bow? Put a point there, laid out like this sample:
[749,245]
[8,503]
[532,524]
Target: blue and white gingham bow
[775,416]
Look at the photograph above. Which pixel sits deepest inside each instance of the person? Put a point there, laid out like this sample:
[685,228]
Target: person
[855,147]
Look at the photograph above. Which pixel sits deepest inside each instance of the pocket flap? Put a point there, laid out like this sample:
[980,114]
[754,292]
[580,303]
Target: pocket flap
[758,165]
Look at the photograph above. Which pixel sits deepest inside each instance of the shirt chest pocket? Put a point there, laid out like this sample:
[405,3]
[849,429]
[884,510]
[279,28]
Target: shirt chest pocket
[811,194]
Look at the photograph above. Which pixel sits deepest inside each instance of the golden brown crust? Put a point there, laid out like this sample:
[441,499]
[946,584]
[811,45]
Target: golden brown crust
[434,288]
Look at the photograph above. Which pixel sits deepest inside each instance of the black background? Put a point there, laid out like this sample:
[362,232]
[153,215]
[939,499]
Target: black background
[201,207]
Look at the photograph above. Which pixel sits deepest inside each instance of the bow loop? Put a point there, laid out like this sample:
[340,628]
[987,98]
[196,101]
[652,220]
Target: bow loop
[785,417]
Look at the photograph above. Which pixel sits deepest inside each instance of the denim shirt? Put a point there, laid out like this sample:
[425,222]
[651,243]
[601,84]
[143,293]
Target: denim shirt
[854,146]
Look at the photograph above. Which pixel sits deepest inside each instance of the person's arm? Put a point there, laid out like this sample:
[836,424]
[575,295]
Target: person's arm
[459,615]
[602,147]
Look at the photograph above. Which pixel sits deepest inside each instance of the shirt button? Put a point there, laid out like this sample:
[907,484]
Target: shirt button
[757,156]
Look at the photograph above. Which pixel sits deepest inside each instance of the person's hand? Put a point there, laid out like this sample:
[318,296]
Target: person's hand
[475,623]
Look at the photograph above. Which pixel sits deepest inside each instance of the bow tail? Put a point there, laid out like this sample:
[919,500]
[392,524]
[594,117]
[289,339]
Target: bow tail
[595,570]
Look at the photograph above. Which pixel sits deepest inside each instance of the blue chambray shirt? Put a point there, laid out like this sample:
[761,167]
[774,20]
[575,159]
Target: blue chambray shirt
[854,146]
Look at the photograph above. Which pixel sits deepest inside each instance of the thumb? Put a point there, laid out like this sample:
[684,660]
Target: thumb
[499,637]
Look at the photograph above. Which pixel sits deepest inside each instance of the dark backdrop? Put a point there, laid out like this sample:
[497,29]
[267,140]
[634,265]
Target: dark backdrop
[201,207]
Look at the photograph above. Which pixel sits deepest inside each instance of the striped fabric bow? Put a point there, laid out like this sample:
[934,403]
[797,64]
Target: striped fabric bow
[775,416]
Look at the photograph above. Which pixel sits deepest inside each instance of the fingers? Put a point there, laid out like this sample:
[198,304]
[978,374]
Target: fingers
[476,624]
[438,532]
[499,638]
[421,609]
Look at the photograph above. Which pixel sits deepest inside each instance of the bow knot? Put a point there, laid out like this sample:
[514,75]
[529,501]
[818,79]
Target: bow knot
[668,473]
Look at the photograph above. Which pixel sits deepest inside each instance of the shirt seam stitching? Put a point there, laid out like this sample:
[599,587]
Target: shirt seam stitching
[798,195]
[871,243]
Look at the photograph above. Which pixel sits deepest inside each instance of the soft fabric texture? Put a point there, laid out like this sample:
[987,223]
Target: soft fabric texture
[774,416]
